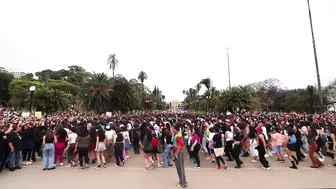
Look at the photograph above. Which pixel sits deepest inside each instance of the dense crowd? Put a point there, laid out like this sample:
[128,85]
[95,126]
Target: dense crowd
[162,138]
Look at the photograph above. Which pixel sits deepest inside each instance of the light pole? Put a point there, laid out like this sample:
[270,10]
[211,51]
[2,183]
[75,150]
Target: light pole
[315,55]
[32,90]
[228,64]
[311,101]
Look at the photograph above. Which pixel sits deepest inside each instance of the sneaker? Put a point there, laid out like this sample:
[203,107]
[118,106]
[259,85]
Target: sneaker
[266,155]
[81,168]
[218,167]
[267,169]
[87,165]
[105,165]
[321,159]
[181,186]
[116,165]
[254,161]
[197,167]
[147,168]
[98,167]
[29,162]
[237,167]
[285,155]
[61,164]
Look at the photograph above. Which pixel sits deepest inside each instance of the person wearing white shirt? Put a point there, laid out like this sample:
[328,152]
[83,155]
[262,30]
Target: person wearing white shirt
[72,136]
[127,143]
[228,144]
[110,135]
[211,135]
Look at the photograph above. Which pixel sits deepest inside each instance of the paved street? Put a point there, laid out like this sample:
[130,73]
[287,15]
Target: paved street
[133,175]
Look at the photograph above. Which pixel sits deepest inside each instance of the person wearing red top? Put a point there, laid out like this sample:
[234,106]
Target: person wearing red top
[179,158]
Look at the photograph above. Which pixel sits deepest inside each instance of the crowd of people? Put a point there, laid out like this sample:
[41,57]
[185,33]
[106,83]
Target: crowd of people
[162,138]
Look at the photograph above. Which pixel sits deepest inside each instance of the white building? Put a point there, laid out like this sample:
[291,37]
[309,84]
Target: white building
[17,73]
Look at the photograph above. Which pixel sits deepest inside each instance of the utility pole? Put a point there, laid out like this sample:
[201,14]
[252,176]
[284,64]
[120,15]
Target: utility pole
[228,64]
[316,62]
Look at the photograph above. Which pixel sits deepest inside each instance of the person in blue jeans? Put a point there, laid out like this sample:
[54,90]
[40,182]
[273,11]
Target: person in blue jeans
[15,145]
[166,146]
[49,141]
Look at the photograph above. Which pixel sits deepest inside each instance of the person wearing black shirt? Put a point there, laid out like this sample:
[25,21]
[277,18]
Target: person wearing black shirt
[136,139]
[166,141]
[299,143]
[15,145]
[37,142]
[4,147]
[218,148]
[237,138]
[118,148]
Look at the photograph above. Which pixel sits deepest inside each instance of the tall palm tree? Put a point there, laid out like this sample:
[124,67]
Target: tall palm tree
[198,88]
[95,93]
[237,98]
[207,83]
[184,93]
[142,77]
[112,62]
[124,97]
[50,100]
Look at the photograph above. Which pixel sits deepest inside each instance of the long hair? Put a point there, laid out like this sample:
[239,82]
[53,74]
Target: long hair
[101,133]
[49,134]
[93,135]
[61,133]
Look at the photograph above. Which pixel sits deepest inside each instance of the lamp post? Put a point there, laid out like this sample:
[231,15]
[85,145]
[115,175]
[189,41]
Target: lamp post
[32,90]
[315,56]
[228,64]
[311,101]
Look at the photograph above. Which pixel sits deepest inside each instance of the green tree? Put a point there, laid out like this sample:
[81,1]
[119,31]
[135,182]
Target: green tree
[5,80]
[112,63]
[208,84]
[237,98]
[95,93]
[142,77]
[19,91]
[123,95]
[28,76]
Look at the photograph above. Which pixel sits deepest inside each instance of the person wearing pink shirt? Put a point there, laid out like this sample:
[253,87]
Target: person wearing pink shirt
[277,140]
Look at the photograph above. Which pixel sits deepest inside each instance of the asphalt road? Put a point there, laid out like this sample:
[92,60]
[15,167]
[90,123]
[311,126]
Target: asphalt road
[133,175]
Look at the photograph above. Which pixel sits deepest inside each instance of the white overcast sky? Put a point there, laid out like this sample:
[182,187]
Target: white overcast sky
[176,42]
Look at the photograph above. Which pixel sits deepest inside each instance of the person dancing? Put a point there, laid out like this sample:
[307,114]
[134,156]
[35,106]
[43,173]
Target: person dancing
[179,161]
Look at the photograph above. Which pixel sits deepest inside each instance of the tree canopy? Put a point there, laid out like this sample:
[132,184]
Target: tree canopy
[74,87]
[266,95]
